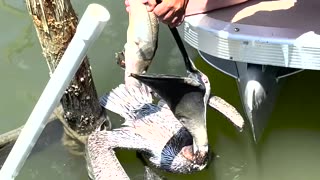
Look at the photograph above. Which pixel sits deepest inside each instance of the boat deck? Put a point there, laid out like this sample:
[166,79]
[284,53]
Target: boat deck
[283,33]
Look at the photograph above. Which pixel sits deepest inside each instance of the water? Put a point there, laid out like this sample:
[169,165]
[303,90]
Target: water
[288,150]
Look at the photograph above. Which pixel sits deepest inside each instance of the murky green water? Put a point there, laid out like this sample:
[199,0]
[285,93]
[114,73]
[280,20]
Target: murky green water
[289,148]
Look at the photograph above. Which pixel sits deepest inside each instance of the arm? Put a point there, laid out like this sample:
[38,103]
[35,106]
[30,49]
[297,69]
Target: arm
[172,12]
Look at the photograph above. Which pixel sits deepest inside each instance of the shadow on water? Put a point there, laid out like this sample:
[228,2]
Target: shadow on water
[52,133]
[290,146]
[288,149]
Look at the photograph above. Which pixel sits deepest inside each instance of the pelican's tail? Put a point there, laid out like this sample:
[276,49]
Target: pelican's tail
[125,101]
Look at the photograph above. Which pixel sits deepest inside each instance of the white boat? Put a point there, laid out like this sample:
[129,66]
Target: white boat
[259,43]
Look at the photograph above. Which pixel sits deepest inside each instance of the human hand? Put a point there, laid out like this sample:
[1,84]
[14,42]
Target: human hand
[127,3]
[171,12]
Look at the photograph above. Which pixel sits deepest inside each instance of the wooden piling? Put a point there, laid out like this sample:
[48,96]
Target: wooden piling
[55,22]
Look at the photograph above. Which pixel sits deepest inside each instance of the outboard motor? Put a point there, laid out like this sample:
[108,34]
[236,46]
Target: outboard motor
[258,87]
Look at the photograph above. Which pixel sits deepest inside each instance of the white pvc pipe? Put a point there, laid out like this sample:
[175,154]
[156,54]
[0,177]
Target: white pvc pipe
[90,27]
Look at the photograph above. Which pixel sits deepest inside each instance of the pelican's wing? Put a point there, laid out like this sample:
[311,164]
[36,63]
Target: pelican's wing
[227,110]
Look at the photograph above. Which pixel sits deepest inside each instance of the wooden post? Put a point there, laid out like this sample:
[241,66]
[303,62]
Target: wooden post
[55,22]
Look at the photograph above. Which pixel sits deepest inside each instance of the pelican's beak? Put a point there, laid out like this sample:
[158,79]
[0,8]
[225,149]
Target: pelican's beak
[173,89]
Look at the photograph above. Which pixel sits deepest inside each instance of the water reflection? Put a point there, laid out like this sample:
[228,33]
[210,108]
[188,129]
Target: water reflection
[288,149]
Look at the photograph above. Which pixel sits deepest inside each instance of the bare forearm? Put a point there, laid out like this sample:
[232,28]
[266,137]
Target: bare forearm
[172,12]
